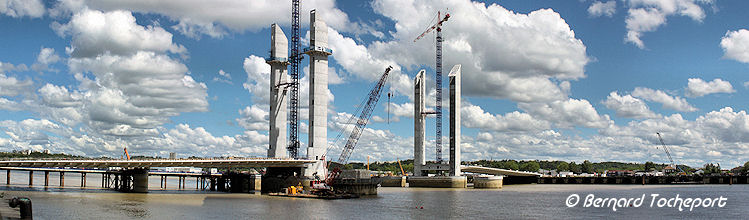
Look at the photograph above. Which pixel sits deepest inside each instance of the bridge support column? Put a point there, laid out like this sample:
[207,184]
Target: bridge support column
[62,179]
[455,121]
[83,180]
[7,177]
[419,126]
[46,178]
[140,181]
[31,178]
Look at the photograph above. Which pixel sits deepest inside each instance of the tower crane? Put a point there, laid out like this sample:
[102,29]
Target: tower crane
[668,153]
[438,79]
[295,58]
[363,119]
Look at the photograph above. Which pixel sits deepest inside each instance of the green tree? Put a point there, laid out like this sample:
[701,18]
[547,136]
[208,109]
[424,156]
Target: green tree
[563,166]
[574,167]
[649,166]
[531,166]
[586,167]
[512,165]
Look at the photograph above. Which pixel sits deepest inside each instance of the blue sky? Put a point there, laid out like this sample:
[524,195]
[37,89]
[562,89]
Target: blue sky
[548,80]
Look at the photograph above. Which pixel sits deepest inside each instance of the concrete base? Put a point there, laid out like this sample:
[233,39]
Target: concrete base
[487,182]
[278,178]
[437,181]
[393,181]
[244,183]
[359,188]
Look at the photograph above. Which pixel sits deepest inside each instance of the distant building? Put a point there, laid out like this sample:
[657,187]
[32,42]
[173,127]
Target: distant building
[46,151]
[27,152]
[172,155]
[620,173]
[669,169]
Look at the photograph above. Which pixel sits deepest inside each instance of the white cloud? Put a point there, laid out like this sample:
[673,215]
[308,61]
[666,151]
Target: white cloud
[735,45]
[541,43]
[21,8]
[472,116]
[217,18]
[697,87]
[223,77]
[114,33]
[9,67]
[137,86]
[668,101]
[568,113]
[58,96]
[12,86]
[598,8]
[46,57]
[648,15]
[628,106]
[254,118]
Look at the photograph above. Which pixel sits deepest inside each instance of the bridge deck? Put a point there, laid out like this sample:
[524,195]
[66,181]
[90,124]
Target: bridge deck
[496,171]
[254,162]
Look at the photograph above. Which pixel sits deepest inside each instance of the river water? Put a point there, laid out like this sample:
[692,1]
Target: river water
[534,201]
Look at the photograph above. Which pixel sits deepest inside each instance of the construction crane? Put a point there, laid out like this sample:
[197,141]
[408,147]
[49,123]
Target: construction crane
[668,153]
[363,119]
[127,154]
[438,79]
[295,58]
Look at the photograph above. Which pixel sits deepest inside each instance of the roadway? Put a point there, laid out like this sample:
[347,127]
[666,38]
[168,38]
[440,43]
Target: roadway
[496,171]
[209,163]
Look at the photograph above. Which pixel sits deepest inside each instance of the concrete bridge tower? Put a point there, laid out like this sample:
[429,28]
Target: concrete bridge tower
[278,62]
[454,120]
[318,53]
[419,126]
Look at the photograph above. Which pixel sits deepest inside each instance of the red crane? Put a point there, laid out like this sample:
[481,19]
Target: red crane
[363,119]
[438,79]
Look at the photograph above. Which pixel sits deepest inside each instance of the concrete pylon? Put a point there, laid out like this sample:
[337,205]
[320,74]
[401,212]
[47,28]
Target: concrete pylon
[278,62]
[318,53]
[419,126]
[455,120]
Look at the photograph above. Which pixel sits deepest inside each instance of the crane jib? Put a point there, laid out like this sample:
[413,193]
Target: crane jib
[364,117]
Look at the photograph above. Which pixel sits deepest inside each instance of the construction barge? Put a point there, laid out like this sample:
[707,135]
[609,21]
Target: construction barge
[349,184]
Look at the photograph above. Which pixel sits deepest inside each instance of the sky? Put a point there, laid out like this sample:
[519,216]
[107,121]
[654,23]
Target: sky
[542,80]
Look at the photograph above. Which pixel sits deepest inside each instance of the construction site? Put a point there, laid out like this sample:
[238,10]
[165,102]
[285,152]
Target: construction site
[284,60]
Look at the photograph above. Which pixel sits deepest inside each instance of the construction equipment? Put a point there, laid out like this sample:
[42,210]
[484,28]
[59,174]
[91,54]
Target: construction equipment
[295,57]
[363,119]
[127,154]
[438,79]
[668,153]
[401,166]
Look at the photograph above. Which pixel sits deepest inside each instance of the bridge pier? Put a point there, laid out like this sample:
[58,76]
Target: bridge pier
[133,180]
[83,180]
[62,179]
[7,178]
[278,178]
[46,178]
[31,178]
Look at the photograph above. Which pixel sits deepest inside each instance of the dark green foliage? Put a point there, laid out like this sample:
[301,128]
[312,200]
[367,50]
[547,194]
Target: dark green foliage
[37,155]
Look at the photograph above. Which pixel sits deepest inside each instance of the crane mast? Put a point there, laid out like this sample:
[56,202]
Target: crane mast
[295,58]
[668,153]
[364,117]
[438,81]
